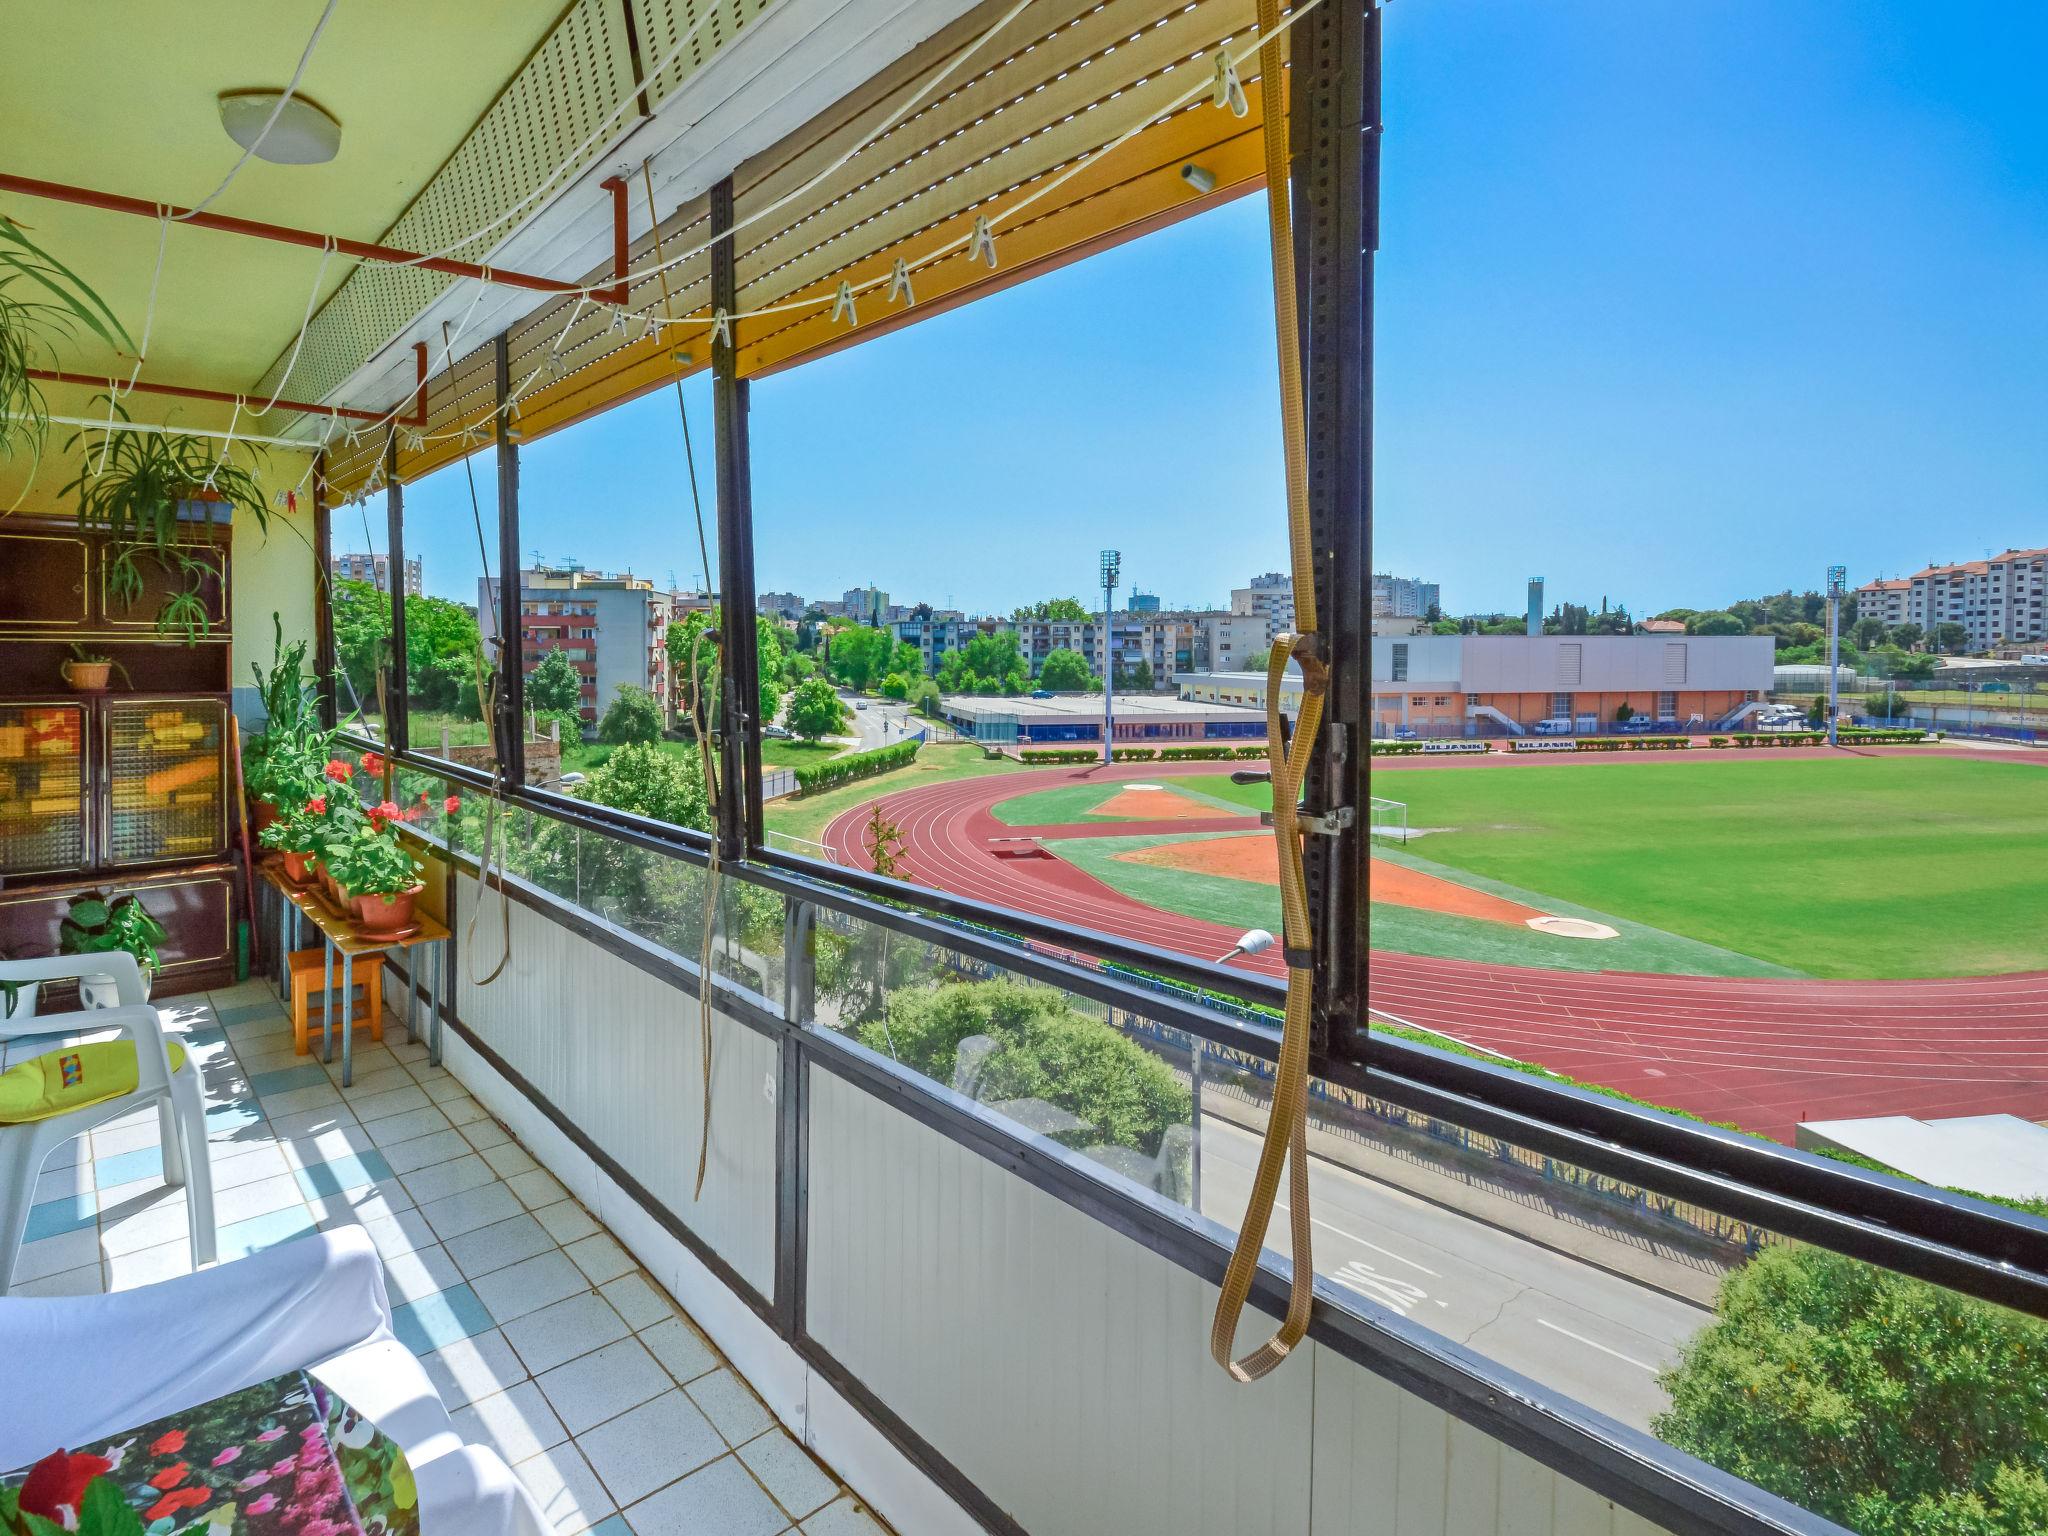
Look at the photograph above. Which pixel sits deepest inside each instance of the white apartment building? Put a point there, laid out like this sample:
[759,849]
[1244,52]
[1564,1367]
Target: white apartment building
[2002,598]
[1402,597]
[1271,597]
[376,569]
[613,628]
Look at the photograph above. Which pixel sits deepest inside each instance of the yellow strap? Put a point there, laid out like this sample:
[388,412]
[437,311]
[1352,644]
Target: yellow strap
[1287,1123]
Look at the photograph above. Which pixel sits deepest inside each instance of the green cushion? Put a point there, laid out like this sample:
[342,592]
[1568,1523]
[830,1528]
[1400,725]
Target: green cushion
[72,1078]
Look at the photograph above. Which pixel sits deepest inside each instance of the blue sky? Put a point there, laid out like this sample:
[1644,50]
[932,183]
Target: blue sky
[1676,304]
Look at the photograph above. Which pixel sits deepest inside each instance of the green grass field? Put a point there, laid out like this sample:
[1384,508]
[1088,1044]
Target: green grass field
[1848,867]
[1076,803]
[1250,904]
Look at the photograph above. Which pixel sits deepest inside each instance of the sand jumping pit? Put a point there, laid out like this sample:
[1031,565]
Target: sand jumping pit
[1253,856]
[1150,802]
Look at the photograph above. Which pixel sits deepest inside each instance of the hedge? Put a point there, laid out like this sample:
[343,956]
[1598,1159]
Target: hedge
[1634,743]
[1192,754]
[1248,753]
[1134,754]
[1781,739]
[834,771]
[1060,755]
[1877,735]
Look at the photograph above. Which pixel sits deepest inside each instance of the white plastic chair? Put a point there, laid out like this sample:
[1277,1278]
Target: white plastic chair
[180,1104]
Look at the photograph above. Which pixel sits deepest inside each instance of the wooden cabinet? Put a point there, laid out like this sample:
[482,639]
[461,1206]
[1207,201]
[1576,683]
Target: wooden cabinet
[54,585]
[196,905]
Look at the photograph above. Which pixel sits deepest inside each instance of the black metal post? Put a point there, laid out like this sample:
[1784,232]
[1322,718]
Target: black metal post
[396,729]
[510,725]
[1334,128]
[792,1117]
[323,594]
[739,820]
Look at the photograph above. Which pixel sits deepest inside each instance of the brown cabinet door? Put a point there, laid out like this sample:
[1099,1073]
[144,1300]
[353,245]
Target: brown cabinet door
[44,753]
[43,583]
[163,772]
[161,583]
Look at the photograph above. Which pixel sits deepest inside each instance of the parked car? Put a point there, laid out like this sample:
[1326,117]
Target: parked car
[1406,733]
[1556,725]
[860,703]
[571,780]
[1041,693]
[779,732]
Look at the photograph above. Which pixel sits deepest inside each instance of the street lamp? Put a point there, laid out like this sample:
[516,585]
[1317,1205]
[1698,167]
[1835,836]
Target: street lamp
[1112,567]
[1838,584]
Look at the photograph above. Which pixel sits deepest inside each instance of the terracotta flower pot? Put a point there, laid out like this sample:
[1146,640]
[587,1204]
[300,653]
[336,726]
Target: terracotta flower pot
[86,676]
[296,867]
[387,913]
[261,814]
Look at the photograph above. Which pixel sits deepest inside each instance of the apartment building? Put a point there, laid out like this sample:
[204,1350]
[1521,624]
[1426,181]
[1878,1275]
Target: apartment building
[1996,599]
[935,634]
[1271,597]
[376,569]
[1403,597]
[1143,602]
[1885,601]
[613,629]
[779,605]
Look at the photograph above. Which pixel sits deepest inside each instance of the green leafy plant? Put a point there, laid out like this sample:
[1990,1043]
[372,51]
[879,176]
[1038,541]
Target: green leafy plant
[282,763]
[129,486]
[370,861]
[98,925]
[39,297]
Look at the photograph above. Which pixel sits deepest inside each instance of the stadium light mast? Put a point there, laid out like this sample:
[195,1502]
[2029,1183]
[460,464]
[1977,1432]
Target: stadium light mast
[1112,566]
[1838,583]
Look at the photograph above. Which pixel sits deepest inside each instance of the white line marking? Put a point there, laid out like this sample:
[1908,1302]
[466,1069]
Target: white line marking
[1317,1221]
[1631,1359]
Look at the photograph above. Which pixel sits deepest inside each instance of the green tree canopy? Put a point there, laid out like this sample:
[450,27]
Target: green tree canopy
[1064,671]
[362,631]
[1892,1406]
[1716,623]
[555,684]
[1951,637]
[989,663]
[632,715]
[1044,1049]
[772,646]
[861,657]
[1141,676]
[1059,609]
[896,686]
[814,709]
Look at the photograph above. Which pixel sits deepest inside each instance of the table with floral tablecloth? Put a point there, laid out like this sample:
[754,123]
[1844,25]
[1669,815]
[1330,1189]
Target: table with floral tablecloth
[283,1456]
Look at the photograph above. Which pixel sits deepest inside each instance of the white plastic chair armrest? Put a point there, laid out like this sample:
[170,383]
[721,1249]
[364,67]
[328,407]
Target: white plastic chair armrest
[140,1023]
[102,1364]
[117,963]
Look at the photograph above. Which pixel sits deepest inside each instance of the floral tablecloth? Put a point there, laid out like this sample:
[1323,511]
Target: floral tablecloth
[283,1456]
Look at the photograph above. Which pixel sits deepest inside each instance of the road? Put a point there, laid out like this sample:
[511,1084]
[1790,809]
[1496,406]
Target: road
[1566,1324]
[879,725]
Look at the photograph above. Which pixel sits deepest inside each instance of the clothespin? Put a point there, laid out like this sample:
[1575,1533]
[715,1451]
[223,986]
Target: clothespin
[899,283]
[1229,89]
[721,328]
[618,325]
[982,247]
[413,440]
[842,304]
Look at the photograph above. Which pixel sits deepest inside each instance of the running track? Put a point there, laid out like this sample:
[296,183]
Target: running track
[1762,1053]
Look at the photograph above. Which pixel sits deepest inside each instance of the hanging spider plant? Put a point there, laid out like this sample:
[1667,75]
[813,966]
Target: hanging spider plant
[39,296]
[129,486]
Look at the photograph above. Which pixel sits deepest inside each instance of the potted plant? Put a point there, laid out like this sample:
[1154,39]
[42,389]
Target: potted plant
[281,765]
[297,834]
[131,486]
[97,925]
[378,875]
[87,671]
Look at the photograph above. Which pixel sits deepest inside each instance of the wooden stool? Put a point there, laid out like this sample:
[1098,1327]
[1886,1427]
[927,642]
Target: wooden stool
[309,975]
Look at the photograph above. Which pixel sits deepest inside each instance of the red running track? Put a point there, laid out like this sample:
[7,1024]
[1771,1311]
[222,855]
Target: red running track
[1762,1053]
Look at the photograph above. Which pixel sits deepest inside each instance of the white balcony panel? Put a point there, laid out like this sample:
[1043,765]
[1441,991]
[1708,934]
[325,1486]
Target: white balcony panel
[1061,1367]
[616,1049]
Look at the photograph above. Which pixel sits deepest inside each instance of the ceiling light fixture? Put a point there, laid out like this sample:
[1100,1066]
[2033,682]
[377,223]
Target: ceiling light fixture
[303,134]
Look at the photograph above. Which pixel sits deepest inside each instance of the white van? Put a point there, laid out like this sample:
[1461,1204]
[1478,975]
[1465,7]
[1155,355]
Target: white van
[1556,725]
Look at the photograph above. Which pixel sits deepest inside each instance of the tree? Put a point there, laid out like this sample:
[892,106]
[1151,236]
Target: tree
[555,684]
[895,686]
[1867,633]
[1716,623]
[1258,661]
[632,716]
[860,657]
[988,663]
[1894,1407]
[1951,637]
[814,710]
[1817,711]
[641,778]
[771,644]
[1141,676]
[362,634]
[1060,609]
[883,840]
[1044,1049]
[1064,671]
[1907,636]
[1623,712]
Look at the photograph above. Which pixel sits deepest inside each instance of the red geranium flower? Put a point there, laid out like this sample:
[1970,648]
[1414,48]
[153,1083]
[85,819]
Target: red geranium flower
[339,770]
[177,1499]
[169,1443]
[317,805]
[171,1476]
[385,811]
[55,1486]
[372,763]
[452,804]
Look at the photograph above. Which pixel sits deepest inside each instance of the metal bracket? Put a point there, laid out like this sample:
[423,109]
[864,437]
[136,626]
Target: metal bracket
[1325,823]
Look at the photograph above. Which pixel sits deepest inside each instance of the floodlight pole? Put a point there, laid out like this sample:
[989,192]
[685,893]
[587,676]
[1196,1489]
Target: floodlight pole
[1112,564]
[1838,581]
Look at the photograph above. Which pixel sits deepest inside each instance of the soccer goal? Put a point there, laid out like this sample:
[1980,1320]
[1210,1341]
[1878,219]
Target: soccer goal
[1387,821]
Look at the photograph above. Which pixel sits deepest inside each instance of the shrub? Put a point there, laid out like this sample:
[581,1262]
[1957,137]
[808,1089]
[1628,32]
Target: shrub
[1395,748]
[1634,743]
[834,771]
[1881,736]
[1717,741]
[1134,754]
[1781,738]
[1060,755]
[1248,753]
[1192,754]
[1044,1050]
